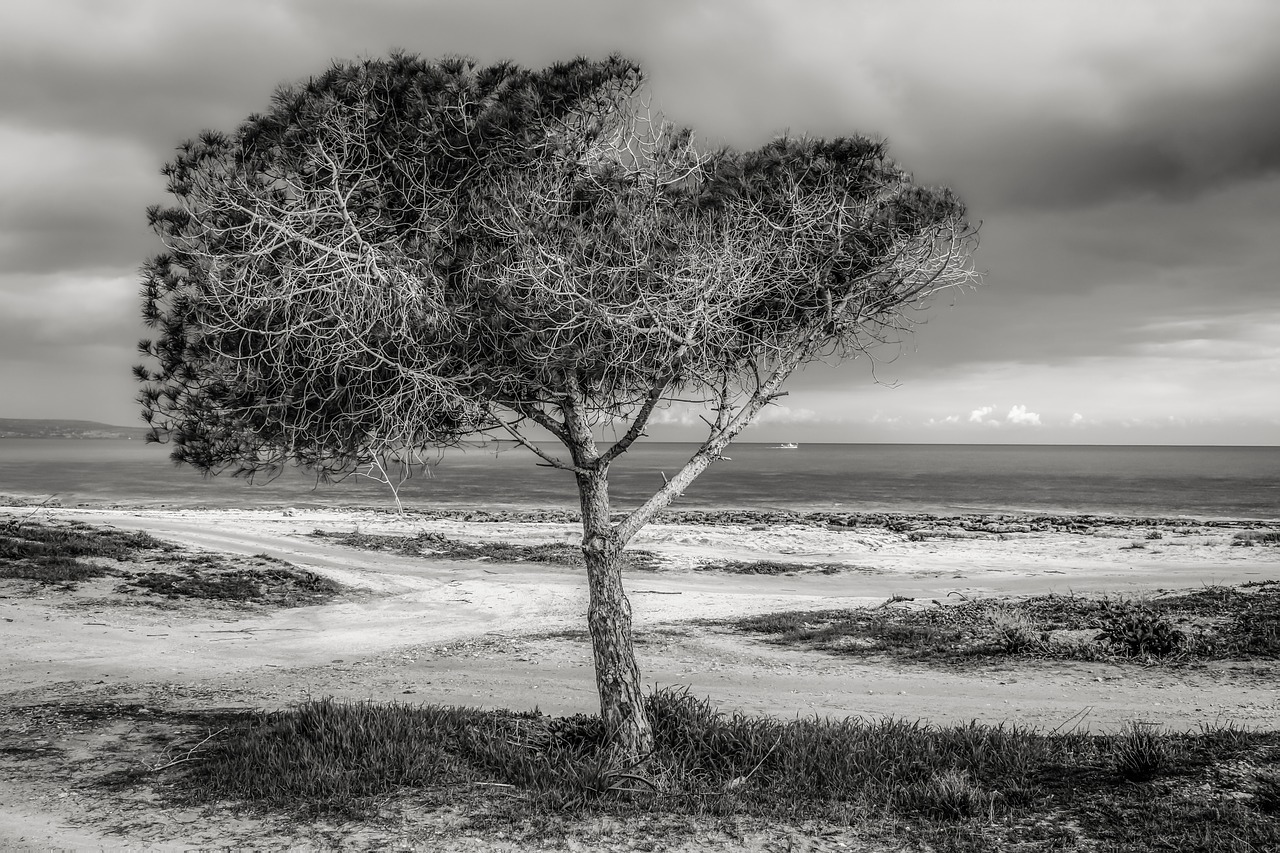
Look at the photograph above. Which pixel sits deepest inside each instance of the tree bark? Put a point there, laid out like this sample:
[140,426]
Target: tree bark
[609,621]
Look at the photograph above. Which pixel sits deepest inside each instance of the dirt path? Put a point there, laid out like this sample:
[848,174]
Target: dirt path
[494,635]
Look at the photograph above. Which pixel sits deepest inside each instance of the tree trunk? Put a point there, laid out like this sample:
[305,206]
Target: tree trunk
[609,621]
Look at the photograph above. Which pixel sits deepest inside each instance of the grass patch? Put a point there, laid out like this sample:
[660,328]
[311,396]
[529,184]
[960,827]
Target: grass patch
[960,788]
[435,544]
[1214,623]
[56,554]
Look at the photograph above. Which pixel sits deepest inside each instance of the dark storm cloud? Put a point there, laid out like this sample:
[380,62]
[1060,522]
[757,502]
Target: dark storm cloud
[184,68]
[69,240]
[1183,249]
[72,201]
[73,310]
[1041,105]
[154,101]
[1166,145]
[147,83]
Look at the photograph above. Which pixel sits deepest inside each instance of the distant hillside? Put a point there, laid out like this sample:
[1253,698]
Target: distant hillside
[44,428]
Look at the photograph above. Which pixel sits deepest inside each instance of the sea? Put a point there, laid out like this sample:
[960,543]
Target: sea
[941,479]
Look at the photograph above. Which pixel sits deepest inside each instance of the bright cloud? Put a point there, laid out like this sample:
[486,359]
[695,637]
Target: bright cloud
[786,415]
[1020,416]
[673,416]
[685,415]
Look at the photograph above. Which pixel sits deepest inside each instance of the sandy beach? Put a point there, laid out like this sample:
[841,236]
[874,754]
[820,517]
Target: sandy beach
[490,634]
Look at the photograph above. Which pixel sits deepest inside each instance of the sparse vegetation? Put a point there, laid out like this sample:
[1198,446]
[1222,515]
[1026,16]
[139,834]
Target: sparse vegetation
[1214,623]
[58,553]
[771,567]
[262,581]
[960,788]
[1248,538]
[435,544]
[72,553]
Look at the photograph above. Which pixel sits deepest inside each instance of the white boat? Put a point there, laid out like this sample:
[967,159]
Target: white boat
[790,445]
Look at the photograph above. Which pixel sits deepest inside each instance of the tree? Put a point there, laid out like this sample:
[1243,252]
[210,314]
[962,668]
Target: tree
[400,254]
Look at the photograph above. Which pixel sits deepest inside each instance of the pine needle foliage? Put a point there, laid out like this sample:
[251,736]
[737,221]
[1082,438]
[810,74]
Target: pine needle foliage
[401,253]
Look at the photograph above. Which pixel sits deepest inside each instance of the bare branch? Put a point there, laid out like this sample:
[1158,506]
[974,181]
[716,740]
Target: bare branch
[638,423]
[711,450]
[519,437]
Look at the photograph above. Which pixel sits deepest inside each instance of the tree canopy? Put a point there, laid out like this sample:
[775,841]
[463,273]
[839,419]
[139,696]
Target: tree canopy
[402,253]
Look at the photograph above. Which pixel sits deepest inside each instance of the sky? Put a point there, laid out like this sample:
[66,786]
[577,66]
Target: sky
[1122,157]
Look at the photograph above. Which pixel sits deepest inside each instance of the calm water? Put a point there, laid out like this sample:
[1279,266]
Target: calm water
[1202,482]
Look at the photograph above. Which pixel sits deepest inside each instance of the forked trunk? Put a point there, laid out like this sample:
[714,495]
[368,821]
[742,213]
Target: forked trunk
[609,621]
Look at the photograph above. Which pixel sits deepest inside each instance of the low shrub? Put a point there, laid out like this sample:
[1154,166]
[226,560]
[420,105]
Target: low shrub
[1213,623]
[270,582]
[1136,630]
[56,553]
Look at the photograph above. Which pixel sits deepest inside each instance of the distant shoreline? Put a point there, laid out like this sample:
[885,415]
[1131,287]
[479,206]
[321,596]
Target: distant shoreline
[46,428]
[76,437]
[43,428]
[1217,483]
[928,525]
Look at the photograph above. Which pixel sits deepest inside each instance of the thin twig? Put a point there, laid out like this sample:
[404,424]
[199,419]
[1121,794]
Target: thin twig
[189,755]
